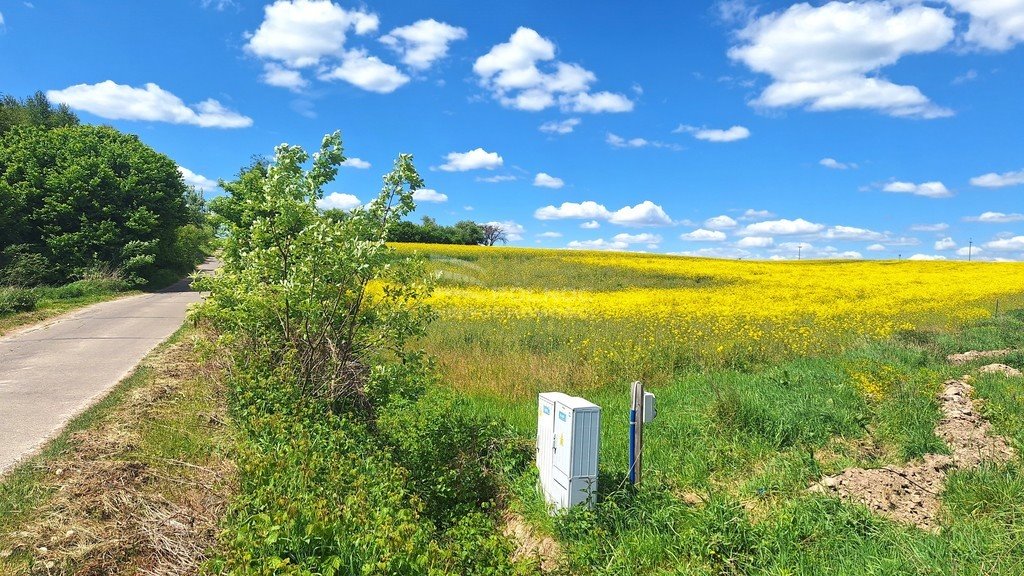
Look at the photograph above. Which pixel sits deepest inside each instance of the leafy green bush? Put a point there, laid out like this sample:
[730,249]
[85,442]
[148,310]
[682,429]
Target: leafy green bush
[14,300]
[87,287]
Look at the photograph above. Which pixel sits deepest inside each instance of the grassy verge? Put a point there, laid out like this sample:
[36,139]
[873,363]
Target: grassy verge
[137,482]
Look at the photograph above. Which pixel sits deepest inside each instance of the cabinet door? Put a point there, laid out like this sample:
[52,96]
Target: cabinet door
[563,439]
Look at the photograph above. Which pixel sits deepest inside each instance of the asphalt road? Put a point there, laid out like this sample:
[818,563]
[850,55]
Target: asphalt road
[51,372]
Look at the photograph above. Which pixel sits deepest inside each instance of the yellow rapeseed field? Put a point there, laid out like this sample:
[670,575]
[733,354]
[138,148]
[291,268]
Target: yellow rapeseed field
[538,316]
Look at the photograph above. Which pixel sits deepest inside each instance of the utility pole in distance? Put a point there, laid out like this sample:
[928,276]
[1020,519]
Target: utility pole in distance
[970,247]
[799,248]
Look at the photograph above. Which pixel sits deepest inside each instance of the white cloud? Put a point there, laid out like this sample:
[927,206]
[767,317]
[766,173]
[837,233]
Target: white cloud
[722,222]
[276,75]
[927,189]
[926,257]
[337,200]
[835,164]
[995,24]
[429,195]
[510,71]
[993,180]
[544,180]
[152,103]
[3,23]
[715,135]
[591,225]
[851,233]
[646,213]
[751,214]
[599,244]
[560,127]
[939,227]
[496,178]
[969,251]
[996,218]
[1015,243]
[356,163]
[877,248]
[218,5]
[755,242]
[424,42]
[549,235]
[620,142]
[198,180]
[513,230]
[781,227]
[703,235]
[367,72]
[946,243]
[586,210]
[847,255]
[476,159]
[827,57]
[300,33]
[644,238]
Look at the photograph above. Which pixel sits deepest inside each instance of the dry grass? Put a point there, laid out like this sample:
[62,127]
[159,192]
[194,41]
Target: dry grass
[141,490]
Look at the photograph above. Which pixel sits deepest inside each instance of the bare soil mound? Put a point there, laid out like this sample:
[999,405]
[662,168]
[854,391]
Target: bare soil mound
[910,493]
[529,545]
[1000,369]
[971,356]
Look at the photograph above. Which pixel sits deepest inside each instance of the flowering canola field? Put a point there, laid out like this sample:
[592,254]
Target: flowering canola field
[580,316]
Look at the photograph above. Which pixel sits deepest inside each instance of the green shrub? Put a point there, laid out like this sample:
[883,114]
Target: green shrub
[14,300]
[88,287]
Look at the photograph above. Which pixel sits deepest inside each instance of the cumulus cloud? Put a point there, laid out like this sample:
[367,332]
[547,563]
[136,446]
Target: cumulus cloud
[704,235]
[946,243]
[755,242]
[1012,244]
[544,180]
[751,214]
[199,181]
[835,164]
[429,195]
[424,42]
[276,75]
[969,251]
[476,159]
[560,127]
[649,239]
[926,257]
[722,222]
[549,235]
[938,227]
[926,189]
[357,163]
[598,244]
[995,24]
[851,233]
[828,57]
[367,72]
[994,180]
[996,218]
[644,214]
[151,103]
[339,201]
[781,227]
[302,33]
[876,248]
[511,72]
[591,225]
[713,134]
[617,141]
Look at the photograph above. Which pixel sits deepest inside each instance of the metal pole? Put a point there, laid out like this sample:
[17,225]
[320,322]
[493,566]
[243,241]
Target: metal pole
[636,433]
[799,248]
[970,246]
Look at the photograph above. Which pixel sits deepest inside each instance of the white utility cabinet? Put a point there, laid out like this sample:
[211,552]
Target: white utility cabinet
[568,438]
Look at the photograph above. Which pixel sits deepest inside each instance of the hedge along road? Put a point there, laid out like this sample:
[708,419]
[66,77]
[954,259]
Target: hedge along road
[51,372]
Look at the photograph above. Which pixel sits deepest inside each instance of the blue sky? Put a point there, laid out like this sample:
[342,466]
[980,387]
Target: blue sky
[739,129]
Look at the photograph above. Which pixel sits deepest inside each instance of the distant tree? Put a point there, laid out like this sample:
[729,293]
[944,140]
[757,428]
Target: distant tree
[36,110]
[494,233]
[430,232]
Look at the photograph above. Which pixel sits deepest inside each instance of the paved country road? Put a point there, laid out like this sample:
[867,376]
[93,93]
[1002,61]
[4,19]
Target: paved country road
[51,372]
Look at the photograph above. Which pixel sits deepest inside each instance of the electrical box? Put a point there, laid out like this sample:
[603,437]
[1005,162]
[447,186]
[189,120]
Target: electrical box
[568,438]
[650,409]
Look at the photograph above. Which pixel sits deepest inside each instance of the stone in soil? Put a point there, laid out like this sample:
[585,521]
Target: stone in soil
[1003,369]
[971,356]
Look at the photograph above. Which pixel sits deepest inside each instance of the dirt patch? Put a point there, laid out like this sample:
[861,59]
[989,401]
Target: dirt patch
[1003,369]
[117,508]
[529,545]
[910,494]
[971,356]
